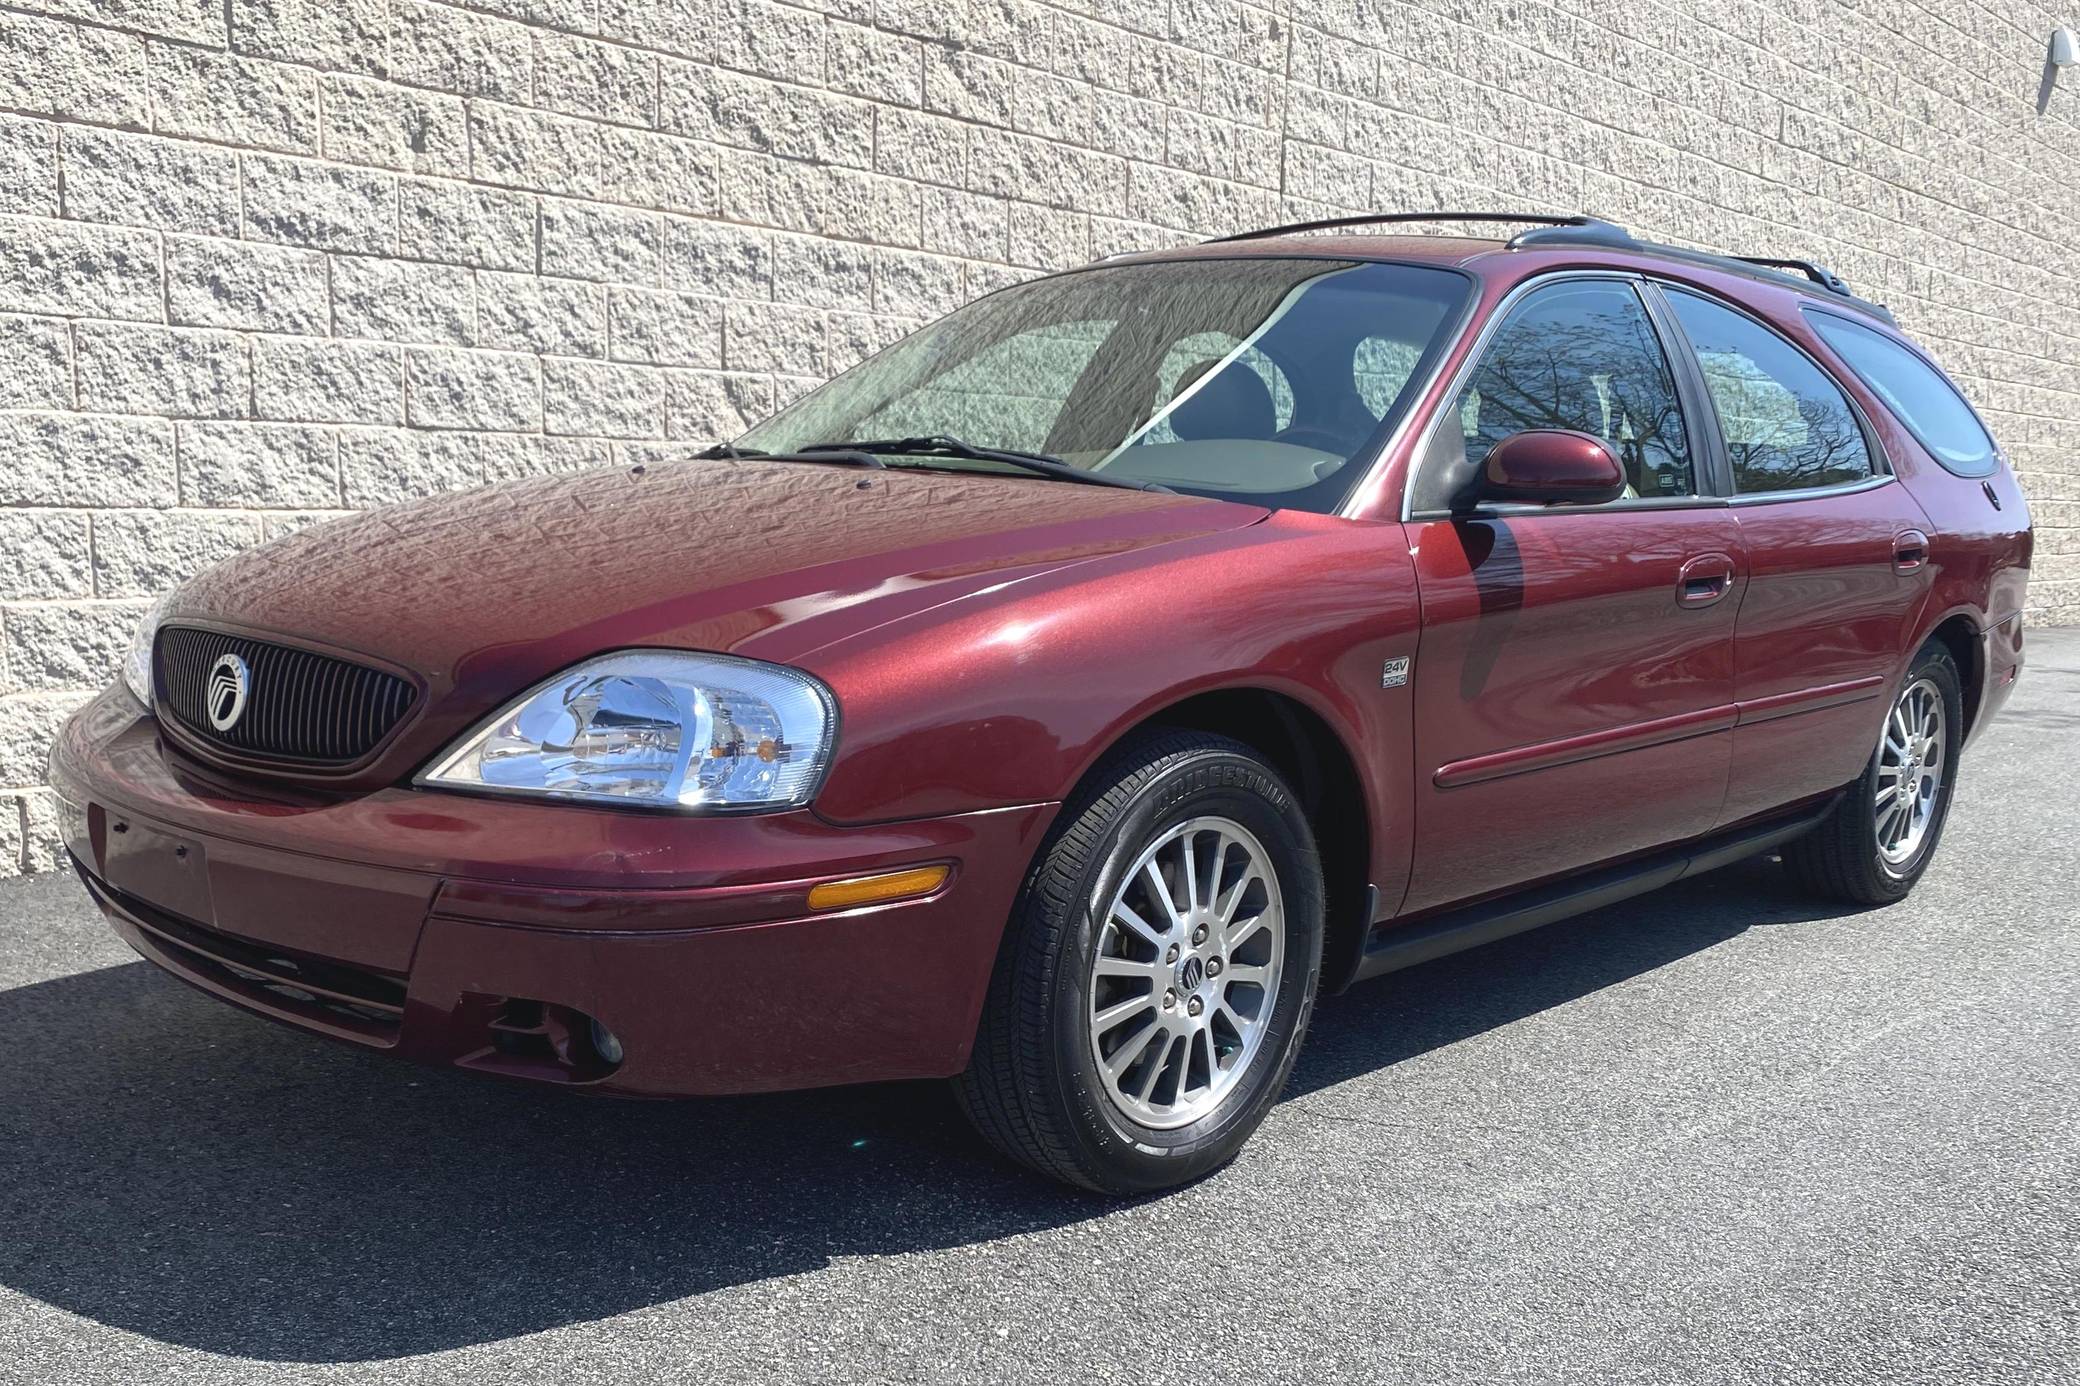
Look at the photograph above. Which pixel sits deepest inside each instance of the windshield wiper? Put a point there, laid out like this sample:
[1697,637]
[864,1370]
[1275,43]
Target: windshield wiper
[830,454]
[938,444]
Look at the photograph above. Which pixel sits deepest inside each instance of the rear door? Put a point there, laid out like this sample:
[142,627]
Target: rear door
[1574,685]
[1837,559]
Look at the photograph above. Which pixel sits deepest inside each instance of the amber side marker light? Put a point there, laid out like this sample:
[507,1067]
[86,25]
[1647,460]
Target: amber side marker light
[871,890]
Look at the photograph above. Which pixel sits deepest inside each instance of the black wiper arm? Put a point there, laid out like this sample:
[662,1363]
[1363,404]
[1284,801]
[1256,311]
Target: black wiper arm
[1045,463]
[830,454]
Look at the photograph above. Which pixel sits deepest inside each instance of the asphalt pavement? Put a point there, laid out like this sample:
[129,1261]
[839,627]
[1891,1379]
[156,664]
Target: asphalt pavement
[1719,1134]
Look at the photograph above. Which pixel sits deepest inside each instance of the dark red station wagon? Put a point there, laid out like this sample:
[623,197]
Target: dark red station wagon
[1061,700]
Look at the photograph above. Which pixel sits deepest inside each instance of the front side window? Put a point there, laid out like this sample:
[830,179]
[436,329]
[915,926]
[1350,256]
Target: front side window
[1269,380]
[1579,355]
[1788,426]
[1921,397]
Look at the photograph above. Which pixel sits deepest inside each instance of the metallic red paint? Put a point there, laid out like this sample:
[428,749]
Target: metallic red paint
[683,936]
[1824,606]
[1543,631]
[767,560]
[1555,465]
[1586,684]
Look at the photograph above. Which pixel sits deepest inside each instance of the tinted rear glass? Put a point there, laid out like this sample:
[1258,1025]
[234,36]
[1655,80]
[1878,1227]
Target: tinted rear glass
[1919,396]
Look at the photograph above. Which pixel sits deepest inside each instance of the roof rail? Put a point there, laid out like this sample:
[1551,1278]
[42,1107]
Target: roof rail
[1799,274]
[1819,274]
[1591,232]
[1552,230]
[1582,227]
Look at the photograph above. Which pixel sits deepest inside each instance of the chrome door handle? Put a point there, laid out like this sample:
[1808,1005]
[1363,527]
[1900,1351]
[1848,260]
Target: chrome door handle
[1704,580]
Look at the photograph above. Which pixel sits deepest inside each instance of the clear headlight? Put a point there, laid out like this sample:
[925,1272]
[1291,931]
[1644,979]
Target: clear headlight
[137,665]
[661,728]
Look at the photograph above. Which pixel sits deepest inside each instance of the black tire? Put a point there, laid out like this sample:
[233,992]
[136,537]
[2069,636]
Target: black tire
[1033,1087]
[1840,858]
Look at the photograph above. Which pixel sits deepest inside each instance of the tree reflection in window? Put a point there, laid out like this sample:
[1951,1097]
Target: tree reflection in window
[1787,426]
[1582,355]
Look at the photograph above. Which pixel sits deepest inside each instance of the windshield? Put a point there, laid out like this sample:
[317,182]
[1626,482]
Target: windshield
[1266,380]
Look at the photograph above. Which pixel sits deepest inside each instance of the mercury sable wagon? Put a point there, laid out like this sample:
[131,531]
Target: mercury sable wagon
[1062,700]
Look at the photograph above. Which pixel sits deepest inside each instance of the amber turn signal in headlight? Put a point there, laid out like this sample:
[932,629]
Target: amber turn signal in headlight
[872,890]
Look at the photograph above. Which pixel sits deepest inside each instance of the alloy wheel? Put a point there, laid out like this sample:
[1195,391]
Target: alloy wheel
[1186,972]
[1910,772]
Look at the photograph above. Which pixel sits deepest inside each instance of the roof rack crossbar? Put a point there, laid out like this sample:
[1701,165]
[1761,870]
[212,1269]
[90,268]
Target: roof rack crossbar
[1819,274]
[1382,218]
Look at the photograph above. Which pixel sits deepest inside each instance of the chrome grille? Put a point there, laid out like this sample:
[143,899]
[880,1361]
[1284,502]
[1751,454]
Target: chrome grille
[301,707]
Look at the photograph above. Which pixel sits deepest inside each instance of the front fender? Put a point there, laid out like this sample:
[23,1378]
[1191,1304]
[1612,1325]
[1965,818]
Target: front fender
[1010,697]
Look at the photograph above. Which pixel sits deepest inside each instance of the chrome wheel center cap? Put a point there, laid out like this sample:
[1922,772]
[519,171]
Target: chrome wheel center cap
[1191,973]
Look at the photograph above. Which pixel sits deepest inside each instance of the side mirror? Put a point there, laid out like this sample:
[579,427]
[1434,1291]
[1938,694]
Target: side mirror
[1552,466]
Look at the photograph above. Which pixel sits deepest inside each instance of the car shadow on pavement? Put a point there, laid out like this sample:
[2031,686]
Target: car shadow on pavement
[176,1169]
[1396,1017]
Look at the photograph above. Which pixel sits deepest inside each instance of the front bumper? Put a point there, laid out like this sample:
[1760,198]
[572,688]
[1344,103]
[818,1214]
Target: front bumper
[472,931]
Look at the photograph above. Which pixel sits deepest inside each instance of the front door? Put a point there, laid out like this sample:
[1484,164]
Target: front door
[1574,684]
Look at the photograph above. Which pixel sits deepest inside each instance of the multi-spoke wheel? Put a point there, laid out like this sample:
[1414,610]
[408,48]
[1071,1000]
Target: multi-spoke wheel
[1186,969]
[1879,838]
[1911,757]
[1157,973]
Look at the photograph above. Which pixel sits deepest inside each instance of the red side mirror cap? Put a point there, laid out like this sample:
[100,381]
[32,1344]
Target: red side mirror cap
[1552,466]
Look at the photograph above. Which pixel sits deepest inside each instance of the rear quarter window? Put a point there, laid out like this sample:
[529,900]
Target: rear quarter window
[1920,396]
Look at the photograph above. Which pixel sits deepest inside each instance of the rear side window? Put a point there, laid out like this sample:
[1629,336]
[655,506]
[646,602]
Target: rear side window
[1919,396]
[1788,426]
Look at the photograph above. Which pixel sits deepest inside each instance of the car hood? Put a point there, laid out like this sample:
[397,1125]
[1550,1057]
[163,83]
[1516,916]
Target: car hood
[480,594]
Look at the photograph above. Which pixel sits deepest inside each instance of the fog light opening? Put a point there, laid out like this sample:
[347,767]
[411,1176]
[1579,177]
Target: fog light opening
[606,1044]
[541,1039]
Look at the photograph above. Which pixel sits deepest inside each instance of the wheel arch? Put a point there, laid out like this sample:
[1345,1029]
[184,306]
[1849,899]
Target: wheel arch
[1317,761]
[1959,634]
